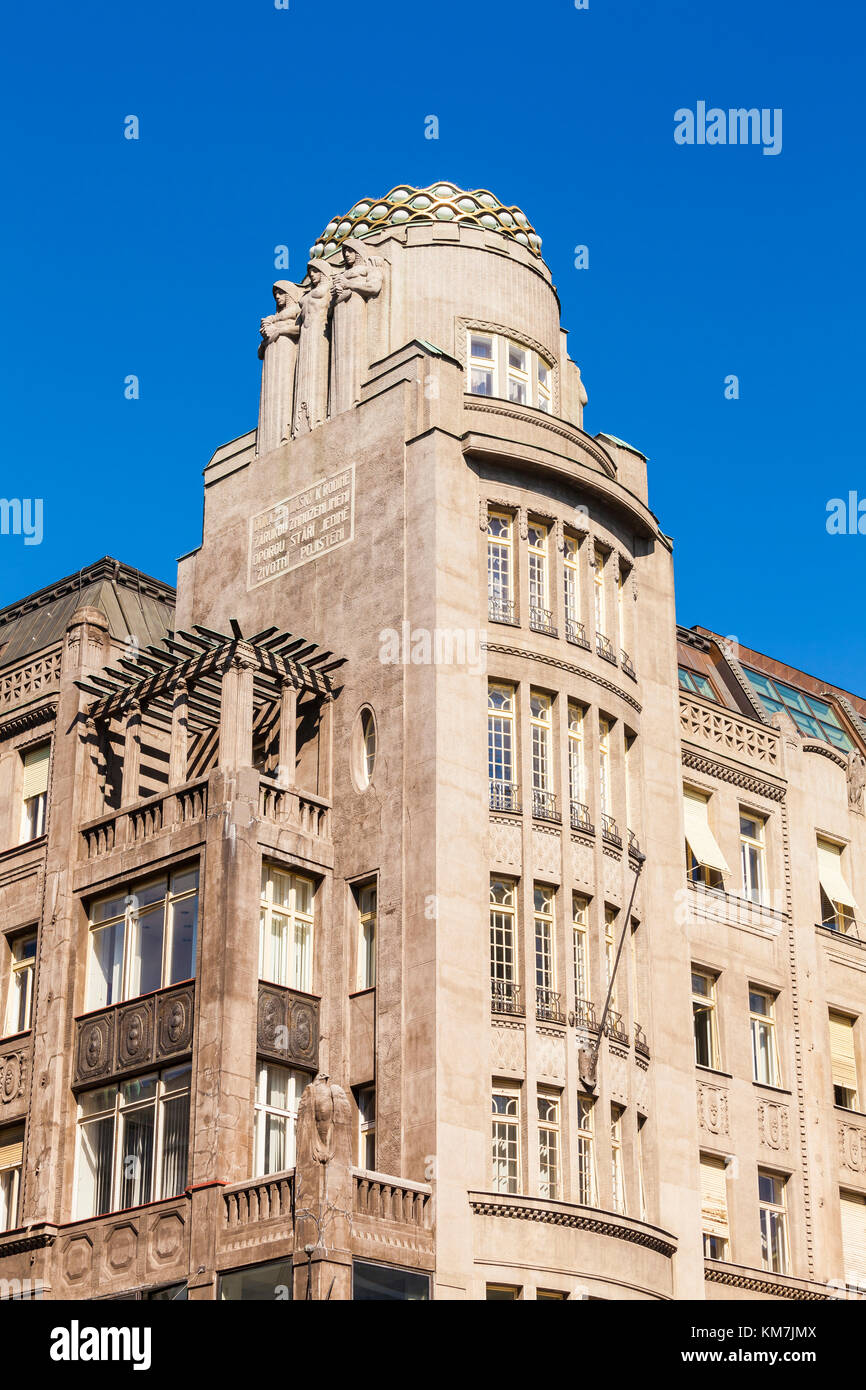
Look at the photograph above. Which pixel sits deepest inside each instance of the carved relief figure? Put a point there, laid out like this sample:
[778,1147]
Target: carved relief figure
[359,281]
[856,779]
[278,351]
[311,377]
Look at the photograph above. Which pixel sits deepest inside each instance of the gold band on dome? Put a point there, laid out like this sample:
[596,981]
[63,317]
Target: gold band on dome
[441,202]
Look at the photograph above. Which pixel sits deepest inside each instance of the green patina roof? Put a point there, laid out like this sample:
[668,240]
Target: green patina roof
[441,202]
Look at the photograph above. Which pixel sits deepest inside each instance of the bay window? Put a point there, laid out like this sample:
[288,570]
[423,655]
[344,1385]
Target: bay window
[144,939]
[286,929]
[278,1095]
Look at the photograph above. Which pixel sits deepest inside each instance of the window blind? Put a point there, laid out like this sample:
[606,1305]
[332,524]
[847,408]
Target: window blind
[854,1236]
[36,771]
[842,1051]
[714,1197]
[11,1149]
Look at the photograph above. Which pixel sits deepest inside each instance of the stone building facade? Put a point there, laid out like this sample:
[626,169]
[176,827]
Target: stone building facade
[303,998]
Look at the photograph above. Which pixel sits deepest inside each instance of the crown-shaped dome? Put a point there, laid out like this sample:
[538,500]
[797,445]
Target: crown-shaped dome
[441,202]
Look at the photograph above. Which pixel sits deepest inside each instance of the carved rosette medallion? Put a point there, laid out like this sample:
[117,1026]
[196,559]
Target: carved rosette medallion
[11,1077]
[174,1026]
[95,1052]
[287,1026]
[135,1033]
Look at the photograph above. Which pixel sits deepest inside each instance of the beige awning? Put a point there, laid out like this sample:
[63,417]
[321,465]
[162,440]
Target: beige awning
[701,840]
[831,877]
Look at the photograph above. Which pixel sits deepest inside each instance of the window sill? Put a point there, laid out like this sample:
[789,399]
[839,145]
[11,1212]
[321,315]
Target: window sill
[777,1090]
[12,1039]
[843,1110]
[714,1071]
[358,993]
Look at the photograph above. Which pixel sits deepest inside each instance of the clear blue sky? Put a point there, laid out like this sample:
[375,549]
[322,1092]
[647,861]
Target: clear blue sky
[155,257]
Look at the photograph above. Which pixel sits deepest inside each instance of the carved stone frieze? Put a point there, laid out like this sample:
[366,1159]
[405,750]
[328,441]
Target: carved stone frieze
[852,1147]
[135,1034]
[287,1026]
[13,1071]
[713,1109]
[773,1125]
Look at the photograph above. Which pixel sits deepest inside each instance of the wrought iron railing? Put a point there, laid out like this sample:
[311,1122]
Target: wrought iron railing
[580,817]
[505,997]
[575,632]
[501,610]
[544,805]
[604,647]
[610,831]
[548,1004]
[541,620]
[583,1014]
[615,1028]
[504,796]
[641,1041]
[633,842]
[627,665]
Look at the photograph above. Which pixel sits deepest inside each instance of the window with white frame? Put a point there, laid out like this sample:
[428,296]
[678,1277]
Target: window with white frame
[571,584]
[752,856]
[34,797]
[22,974]
[587,1186]
[714,1207]
[772,1204]
[540,726]
[506,1139]
[620,605]
[518,367]
[843,1060]
[500,566]
[539,588]
[598,591]
[580,932]
[503,943]
[704,1019]
[617,1166]
[11,1160]
[501,759]
[576,774]
[610,916]
[765,1051]
[143,939]
[705,863]
[604,765]
[368,746]
[838,908]
[483,364]
[548,1145]
[286,929]
[366,899]
[278,1096]
[545,959]
[544,377]
[133,1141]
[366,1098]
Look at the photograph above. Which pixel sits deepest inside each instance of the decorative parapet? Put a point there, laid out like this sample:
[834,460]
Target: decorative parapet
[729,734]
[384,1198]
[29,680]
[138,1033]
[578,1218]
[287,1026]
[154,815]
[264,1199]
[302,811]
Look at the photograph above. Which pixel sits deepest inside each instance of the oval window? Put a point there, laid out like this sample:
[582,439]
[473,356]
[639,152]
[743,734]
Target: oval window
[364,748]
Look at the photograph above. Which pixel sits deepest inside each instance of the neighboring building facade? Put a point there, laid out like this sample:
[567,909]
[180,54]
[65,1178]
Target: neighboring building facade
[585,1022]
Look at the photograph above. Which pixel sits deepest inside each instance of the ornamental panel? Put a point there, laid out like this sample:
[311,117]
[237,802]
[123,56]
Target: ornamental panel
[287,1026]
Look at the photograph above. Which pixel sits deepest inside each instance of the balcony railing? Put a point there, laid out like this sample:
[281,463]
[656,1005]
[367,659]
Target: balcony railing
[641,1041]
[505,997]
[504,796]
[301,810]
[633,843]
[610,831]
[263,1199]
[541,620]
[501,610]
[627,665]
[583,1015]
[575,632]
[548,1005]
[604,647]
[615,1028]
[580,817]
[544,805]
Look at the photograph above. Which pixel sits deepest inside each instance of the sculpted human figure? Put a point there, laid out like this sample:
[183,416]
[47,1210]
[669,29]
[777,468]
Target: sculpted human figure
[359,281]
[278,351]
[856,779]
[311,380]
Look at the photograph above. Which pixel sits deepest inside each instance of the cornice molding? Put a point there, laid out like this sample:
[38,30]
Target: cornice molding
[564,666]
[576,1218]
[698,762]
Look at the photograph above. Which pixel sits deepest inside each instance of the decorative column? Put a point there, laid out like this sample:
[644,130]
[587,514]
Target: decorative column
[131,755]
[288,734]
[326,747]
[236,710]
[177,759]
[278,352]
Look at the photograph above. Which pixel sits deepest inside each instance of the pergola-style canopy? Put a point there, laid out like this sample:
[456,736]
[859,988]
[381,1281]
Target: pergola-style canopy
[199,659]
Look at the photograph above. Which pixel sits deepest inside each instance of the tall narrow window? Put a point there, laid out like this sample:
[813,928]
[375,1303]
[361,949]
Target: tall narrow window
[278,1095]
[505,992]
[35,792]
[853,1210]
[616,1159]
[598,591]
[838,909]
[765,1053]
[641,1175]
[500,567]
[506,1140]
[620,606]
[752,856]
[705,1023]
[546,999]
[367,1127]
[580,925]
[540,616]
[604,765]
[482,364]
[574,629]
[705,862]
[540,721]
[286,929]
[518,374]
[774,1221]
[634,942]
[586,1183]
[576,776]
[133,1142]
[548,1145]
[610,916]
[543,385]
[11,1161]
[843,1061]
[366,904]
[19,1004]
[714,1207]
[501,761]
[143,939]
